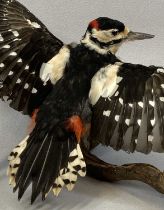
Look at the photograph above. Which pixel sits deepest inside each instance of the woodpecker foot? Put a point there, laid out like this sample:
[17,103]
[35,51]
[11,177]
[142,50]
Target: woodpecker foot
[146,173]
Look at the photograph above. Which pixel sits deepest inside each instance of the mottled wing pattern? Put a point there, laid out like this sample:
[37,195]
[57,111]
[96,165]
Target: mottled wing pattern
[25,44]
[132,118]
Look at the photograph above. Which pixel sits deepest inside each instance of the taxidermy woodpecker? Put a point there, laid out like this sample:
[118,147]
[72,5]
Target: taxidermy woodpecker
[69,88]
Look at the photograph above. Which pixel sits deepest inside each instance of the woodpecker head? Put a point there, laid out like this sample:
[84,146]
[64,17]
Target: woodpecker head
[106,35]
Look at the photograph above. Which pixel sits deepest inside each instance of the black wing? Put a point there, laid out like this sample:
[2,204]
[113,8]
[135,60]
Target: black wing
[25,44]
[133,117]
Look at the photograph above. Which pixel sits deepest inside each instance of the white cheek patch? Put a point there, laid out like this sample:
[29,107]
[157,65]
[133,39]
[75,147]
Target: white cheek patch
[102,35]
[107,36]
[104,83]
[54,69]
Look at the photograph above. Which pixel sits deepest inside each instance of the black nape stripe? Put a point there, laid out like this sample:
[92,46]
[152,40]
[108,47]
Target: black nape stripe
[107,44]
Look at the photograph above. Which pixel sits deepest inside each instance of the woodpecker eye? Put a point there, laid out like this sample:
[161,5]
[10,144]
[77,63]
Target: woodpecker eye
[114,33]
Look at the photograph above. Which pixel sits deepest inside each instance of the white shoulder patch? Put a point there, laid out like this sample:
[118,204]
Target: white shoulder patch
[45,72]
[104,83]
[54,69]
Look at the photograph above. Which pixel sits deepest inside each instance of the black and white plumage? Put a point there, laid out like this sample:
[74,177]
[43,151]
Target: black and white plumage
[25,45]
[132,118]
[66,87]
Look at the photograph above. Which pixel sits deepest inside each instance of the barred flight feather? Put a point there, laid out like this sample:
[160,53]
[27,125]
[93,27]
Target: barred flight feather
[25,44]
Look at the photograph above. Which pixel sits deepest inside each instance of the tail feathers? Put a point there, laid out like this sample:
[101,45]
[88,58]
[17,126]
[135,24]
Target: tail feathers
[39,164]
[68,176]
[14,161]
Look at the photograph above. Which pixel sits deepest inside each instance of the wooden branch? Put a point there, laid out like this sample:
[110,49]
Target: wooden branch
[146,173]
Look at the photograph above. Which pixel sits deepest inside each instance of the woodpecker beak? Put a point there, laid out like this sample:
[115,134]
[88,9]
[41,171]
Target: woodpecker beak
[132,36]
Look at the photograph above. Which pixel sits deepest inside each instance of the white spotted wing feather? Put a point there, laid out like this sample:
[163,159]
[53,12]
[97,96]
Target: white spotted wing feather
[132,117]
[25,44]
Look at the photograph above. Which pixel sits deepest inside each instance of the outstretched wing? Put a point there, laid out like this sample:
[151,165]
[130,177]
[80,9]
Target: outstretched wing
[129,111]
[25,44]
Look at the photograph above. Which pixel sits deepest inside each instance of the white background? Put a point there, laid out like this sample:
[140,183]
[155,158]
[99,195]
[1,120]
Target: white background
[68,20]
